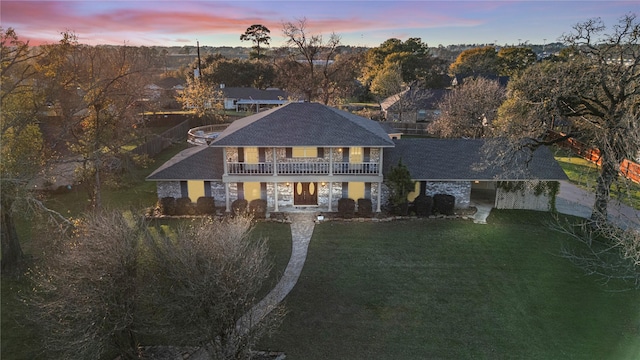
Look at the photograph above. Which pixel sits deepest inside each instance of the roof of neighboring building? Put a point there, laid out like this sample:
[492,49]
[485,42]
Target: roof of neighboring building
[465,159]
[414,98]
[253,93]
[304,124]
[194,163]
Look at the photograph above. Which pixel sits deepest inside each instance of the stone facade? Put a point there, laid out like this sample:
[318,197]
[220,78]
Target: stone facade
[460,189]
[168,189]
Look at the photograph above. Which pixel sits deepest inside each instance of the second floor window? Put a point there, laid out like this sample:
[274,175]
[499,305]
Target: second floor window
[356,155]
[251,155]
[304,152]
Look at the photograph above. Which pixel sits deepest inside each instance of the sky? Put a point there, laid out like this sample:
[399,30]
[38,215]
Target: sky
[358,23]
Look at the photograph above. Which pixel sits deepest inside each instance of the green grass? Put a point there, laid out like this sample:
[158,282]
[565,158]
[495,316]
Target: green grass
[584,174]
[434,289]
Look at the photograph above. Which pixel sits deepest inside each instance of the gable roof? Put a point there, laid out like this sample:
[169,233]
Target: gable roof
[304,124]
[465,159]
[414,98]
[194,163]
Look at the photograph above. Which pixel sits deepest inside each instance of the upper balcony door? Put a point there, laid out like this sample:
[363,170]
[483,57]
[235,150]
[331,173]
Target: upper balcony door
[305,193]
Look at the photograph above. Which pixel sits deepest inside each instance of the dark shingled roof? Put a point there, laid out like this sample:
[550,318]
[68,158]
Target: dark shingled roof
[465,159]
[304,124]
[195,163]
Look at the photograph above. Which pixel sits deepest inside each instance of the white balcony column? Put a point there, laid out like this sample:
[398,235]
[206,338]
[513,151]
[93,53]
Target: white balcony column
[275,164]
[379,196]
[226,197]
[330,195]
[380,162]
[275,196]
[224,161]
[330,167]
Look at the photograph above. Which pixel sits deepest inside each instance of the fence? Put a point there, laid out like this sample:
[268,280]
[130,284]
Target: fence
[411,128]
[628,169]
[160,142]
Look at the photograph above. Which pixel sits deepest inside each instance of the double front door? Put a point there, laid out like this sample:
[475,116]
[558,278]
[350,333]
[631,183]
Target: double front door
[305,193]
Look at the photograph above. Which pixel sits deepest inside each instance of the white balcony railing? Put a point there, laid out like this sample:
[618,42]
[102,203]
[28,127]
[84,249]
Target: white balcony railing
[303,168]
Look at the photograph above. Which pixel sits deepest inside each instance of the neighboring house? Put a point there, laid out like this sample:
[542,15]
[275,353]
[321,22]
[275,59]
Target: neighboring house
[308,155]
[460,78]
[252,99]
[413,105]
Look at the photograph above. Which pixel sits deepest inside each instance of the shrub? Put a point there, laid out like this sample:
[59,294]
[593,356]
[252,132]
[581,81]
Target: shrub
[206,205]
[239,206]
[167,205]
[346,208]
[365,207]
[184,206]
[258,208]
[444,203]
[423,205]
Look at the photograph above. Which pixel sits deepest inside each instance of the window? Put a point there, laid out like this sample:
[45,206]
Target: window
[305,152]
[251,155]
[356,155]
[422,115]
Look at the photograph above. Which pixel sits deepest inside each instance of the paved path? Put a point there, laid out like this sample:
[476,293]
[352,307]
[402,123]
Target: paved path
[302,225]
[572,200]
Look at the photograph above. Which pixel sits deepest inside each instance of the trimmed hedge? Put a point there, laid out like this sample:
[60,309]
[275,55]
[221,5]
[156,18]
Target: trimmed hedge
[205,205]
[239,206]
[444,204]
[167,205]
[365,207]
[258,208]
[423,205]
[346,208]
[184,206]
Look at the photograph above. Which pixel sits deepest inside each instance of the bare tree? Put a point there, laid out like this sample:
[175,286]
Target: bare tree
[604,250]
[309,68]
[208,277]
[22,150]
[85,295]
[596,89]
[469,109]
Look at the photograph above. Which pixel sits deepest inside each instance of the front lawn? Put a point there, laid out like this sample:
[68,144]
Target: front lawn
[438,289]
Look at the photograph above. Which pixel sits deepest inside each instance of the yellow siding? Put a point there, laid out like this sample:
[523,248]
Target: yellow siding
[356,155]
[300,151]
[414,194]
[251,191]
[251,155]
[356,190]
[195,190]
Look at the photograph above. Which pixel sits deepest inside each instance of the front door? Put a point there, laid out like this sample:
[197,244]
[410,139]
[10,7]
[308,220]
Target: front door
[305,194]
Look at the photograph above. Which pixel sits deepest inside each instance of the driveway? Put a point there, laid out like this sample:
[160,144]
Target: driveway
[572,200]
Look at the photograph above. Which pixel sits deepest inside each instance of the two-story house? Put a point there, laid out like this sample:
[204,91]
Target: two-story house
[296,155]
[308,155]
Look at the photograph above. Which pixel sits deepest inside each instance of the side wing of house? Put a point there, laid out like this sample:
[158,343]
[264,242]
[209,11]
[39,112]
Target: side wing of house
[462,168]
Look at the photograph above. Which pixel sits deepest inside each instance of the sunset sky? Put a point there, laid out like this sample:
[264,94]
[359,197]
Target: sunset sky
[364,23]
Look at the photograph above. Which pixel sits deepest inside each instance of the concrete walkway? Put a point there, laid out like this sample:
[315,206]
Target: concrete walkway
[302,225]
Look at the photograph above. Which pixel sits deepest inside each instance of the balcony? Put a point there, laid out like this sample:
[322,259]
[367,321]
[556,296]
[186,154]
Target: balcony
[303,168]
